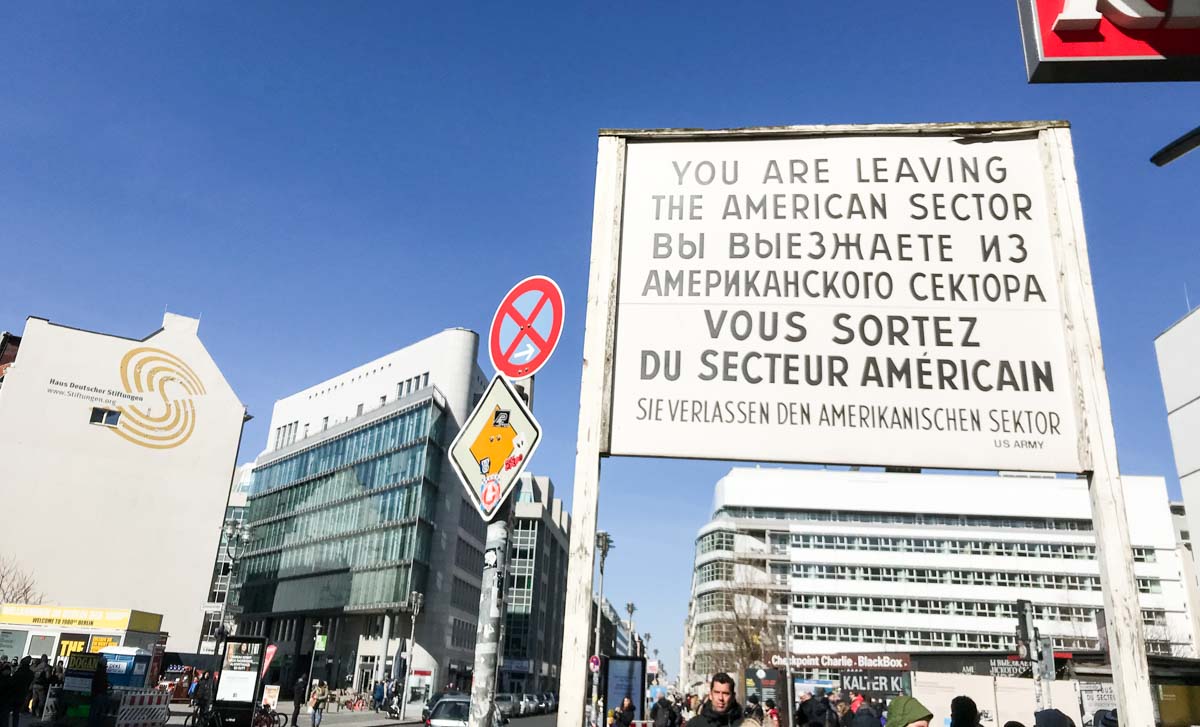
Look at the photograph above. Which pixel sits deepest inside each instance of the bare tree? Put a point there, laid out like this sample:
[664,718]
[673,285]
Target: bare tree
[749,630]
[1163,640]
[17,585]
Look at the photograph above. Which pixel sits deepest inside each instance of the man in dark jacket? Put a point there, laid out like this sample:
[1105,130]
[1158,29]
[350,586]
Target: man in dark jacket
[299,698]
[721,708]
[204,692]
[663,712]
[21,683]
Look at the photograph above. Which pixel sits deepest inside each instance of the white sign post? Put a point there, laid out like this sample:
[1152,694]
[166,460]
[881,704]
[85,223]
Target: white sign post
[909,295]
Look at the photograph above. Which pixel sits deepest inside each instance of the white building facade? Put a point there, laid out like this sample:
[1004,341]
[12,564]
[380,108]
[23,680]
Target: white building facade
[1178,350]
[117,454]
[836,561]
[353,508]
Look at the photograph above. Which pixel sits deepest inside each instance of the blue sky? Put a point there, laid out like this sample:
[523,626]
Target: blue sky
[324,183]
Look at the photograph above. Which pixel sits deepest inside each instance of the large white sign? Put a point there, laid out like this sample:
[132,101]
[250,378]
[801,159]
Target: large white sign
[886,300]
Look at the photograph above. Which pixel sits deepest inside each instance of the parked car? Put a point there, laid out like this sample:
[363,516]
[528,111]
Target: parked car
[550,702]
[437,697]
[508,705]
[529,704]
[454,710]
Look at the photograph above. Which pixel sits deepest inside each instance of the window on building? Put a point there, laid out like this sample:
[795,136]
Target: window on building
[424,379]
[306,430]
[105,417]
[383,400]
[324,423]
[359,412]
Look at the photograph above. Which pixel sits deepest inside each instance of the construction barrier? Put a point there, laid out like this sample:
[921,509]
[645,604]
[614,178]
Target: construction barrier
[144,708]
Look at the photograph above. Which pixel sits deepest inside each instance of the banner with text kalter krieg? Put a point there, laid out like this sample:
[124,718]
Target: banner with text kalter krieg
[886,300]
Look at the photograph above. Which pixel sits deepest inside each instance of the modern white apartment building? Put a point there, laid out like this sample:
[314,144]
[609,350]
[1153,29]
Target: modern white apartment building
[353,508]
[872,561]
[116,456]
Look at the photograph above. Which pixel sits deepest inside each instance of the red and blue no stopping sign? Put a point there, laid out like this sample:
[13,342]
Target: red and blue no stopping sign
[526,327]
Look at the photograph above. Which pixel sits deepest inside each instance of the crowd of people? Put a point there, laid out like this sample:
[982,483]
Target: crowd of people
[836,708]
[25,687]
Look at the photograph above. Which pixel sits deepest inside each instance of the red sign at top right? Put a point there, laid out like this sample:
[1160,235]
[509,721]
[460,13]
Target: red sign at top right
[1073,41]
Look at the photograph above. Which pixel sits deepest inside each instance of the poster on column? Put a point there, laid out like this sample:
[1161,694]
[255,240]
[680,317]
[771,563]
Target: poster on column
[846,298]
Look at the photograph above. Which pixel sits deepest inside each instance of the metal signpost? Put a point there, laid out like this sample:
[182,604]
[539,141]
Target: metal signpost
[913,295]
[493,448]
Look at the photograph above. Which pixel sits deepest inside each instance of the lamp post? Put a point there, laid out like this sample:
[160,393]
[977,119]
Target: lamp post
[415,599]
[604,543]
[236,536]
[313,660]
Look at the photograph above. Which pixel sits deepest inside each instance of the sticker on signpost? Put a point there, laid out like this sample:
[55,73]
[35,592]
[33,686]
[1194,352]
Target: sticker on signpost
[494,446]
[526,327]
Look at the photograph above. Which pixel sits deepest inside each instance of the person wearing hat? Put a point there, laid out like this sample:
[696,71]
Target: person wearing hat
[906,711]
[754,710]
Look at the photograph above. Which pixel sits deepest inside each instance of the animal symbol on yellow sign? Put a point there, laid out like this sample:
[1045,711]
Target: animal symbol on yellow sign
[494,445]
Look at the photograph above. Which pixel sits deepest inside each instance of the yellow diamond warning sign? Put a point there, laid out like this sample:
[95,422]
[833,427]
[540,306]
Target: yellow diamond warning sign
[493,447]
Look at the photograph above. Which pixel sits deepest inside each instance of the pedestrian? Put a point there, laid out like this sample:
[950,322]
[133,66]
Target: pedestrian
[317,701]
[204,693]
[1104,718]
[800,709]
[817,710]
[772,714]
[963,712]
[1014,723]
[685,714]
[7,701]
[21,684]
[41,685]
[377,696]
[754,710]
[299,697]
[98,709]
[905,711]
[624,715]
[866,714]
[1051,718]
[856,700]
[721,709]
[662,713]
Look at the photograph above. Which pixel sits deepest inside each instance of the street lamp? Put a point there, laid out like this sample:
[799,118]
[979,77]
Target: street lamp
[313,660]
[236,536]
[604,543]
[415,599]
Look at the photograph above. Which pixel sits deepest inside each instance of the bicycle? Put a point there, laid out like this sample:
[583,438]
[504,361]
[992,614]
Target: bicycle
[266,716]
[211,718]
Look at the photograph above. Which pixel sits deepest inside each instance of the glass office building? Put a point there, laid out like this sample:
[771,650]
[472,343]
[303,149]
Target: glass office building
[353,508]
[347,523]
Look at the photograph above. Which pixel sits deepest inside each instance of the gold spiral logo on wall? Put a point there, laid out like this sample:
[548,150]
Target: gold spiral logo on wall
[159,376]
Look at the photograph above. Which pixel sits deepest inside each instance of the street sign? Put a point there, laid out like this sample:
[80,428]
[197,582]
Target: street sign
[594,664]
[493,447]
[526,327]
